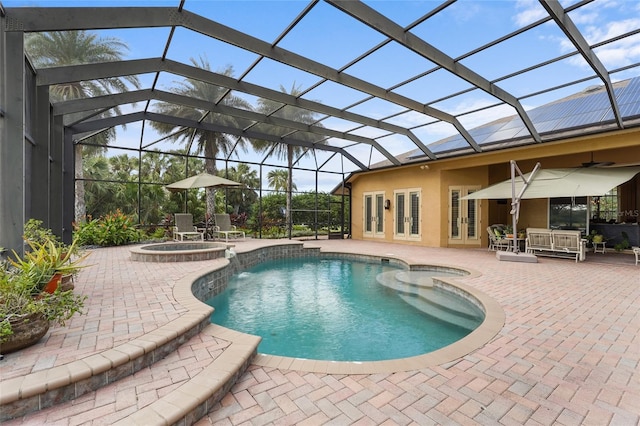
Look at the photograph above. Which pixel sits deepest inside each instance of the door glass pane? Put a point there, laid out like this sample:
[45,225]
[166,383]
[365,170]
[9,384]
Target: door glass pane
[400,213]
[367,213]
[455,213]
[379,213]
[471,216]
[415,213]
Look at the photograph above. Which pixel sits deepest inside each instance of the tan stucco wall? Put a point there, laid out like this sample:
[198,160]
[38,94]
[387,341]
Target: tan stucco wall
[484,169]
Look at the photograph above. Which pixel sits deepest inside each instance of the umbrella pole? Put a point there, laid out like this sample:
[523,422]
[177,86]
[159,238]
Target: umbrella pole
[515,199]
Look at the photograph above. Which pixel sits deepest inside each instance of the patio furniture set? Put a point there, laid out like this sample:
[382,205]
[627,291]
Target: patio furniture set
[222,228]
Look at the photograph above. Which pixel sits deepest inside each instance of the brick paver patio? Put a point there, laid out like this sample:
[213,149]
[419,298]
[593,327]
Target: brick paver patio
[568,354]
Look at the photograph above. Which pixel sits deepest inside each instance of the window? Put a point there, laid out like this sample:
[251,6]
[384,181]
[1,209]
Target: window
[568,213]
[605,208]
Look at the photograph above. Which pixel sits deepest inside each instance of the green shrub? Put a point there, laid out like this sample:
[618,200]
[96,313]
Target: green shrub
[113,229]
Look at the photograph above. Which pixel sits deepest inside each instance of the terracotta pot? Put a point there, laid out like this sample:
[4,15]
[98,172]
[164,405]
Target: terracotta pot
[53,283]
[26,332]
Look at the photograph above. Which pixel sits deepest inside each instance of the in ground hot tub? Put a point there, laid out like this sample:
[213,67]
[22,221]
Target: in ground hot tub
[178,252]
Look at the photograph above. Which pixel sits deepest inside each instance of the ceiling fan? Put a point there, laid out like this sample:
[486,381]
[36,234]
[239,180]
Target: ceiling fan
[597,163]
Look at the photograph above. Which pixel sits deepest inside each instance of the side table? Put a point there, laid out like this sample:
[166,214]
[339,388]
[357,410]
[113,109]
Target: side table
[602,245]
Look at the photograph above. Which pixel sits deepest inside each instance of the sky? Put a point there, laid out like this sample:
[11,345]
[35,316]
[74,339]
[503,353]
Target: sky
[335,39]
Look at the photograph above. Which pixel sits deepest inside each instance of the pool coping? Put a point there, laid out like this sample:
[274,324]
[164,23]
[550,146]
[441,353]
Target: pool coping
[215,250]
[491,325]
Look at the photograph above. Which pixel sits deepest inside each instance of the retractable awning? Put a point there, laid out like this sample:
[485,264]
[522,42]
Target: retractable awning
[552,183]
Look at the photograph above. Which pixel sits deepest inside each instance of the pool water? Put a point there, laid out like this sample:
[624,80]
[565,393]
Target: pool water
[336,309]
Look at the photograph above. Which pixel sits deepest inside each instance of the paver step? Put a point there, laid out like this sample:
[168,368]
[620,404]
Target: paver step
[184,386]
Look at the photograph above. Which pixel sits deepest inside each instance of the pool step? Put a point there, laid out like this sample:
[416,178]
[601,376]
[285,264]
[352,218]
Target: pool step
[442,313]
[417,289]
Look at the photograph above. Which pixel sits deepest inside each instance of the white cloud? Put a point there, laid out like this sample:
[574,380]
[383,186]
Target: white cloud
[594,33]
[530,12]
[616,54]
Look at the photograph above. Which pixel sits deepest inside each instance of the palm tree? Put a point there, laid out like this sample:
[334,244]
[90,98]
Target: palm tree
[278,179]
[209,143]
[67,48]
[284,150]
[98,193]
[242,199]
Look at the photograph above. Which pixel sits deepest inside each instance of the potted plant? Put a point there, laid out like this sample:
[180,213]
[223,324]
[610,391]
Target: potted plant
[47,262]
[26,313]
[508,230]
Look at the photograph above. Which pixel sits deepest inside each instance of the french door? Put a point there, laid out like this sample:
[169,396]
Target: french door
[407,214]
[374,214]
[464,216]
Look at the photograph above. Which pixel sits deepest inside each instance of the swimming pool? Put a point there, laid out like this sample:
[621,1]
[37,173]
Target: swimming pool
[343,310]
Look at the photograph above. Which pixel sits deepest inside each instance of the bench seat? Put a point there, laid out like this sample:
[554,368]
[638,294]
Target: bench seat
[556,242]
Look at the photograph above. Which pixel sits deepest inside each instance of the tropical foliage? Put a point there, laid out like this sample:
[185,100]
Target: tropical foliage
[113,229]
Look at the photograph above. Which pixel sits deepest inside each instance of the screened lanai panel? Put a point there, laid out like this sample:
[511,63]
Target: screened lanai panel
[217,54]
[433,86]
[598,24]
[395,144]
[435,132]
[449,144]
[249,16]
[393,64]
[146,45]
[369,132]
[487,120]
[335,95]
[480,134]
[507,57]
[504,134]
[466,102]
[320,32]
[366,154]
[620,53]
[376,108]
[297,114]
[337,124]
[555,74]
[278,76]
[410,119]
[469,25]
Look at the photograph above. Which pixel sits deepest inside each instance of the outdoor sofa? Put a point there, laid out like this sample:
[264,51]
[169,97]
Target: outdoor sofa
[556,242]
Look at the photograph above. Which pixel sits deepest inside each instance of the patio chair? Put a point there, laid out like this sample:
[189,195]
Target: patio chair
[496,243]
[636,252]
[184,227]
[223,227]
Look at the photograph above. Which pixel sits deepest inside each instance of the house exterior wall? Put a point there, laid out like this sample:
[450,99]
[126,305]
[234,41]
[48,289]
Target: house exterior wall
[485,169]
